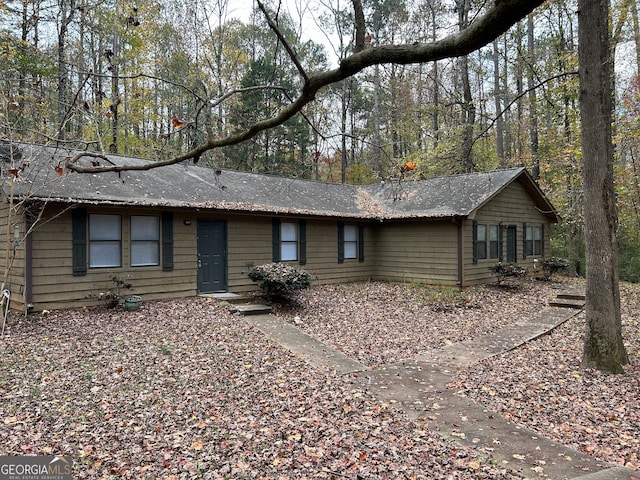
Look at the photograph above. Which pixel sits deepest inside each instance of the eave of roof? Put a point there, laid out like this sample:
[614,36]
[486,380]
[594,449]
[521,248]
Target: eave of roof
[195,187]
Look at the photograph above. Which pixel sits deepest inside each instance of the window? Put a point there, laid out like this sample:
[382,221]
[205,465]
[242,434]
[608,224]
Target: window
[105,241]
[145,240]
[481,242]
[288,241]
[537,241]
[533,240]
[494,241]
[528,241]
[350,241]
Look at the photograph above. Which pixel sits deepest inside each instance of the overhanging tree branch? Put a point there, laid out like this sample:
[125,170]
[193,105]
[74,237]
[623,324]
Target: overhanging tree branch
[483,30]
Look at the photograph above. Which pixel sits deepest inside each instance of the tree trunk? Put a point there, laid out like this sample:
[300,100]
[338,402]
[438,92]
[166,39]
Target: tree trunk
[343,129]
[533,100]
[498,105]
[508,142]
[468,107]
[603,345]
[435,119]
[636,32]
[377,137]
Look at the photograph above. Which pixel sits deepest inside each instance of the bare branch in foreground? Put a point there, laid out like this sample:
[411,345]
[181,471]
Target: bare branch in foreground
[482,31]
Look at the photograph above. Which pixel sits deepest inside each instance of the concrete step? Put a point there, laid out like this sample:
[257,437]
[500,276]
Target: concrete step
[250,309]
[240,299]
[567,303]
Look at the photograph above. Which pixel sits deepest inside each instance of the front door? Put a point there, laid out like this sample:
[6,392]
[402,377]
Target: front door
[511,244]
[212,256]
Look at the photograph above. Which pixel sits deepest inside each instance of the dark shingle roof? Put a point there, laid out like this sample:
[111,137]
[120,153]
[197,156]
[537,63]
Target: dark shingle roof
[189,186]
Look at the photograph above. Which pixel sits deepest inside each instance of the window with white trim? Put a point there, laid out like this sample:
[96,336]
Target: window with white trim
[288,241]
[481,242]
[533,241]
[537,240]
[105,241]
[145,240]
[350,241]
[494,237]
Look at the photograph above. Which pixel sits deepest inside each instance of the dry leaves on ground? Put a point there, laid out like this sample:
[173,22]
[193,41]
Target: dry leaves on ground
[544,386]
[380,323]
[541,385]
[183,389]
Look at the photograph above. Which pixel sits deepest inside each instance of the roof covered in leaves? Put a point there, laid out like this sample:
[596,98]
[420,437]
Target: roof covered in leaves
[39,175]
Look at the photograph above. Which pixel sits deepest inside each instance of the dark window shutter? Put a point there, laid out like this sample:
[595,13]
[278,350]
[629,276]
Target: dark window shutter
[524,241]
[167,241]
[474,233]
[500,242]
[302,232]
[340,242]
[276,239]
[79,236]
[542,239]
[360,243]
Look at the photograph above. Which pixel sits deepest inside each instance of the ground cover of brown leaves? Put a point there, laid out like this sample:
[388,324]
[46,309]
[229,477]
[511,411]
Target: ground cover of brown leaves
[541,385]
[380,323]
[184,389]
[544,386]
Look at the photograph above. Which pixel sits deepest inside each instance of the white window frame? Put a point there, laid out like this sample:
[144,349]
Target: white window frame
[481,239]
[537,240]
[144,240]
[105,240]
[350,243]
[494,239]
[289,242]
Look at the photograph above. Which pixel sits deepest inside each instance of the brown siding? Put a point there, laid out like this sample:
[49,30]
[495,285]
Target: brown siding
[512,206]
[424,252]
[12,256]
[250,243]
[55,286]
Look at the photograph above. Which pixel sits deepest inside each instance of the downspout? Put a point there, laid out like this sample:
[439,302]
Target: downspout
[460,281]
[28,266]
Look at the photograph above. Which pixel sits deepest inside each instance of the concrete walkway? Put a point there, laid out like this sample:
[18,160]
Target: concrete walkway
[418,387]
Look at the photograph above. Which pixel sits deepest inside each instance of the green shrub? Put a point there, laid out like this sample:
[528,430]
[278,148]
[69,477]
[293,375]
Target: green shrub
[553,265]
[507,270]
[280,280]
[629,260]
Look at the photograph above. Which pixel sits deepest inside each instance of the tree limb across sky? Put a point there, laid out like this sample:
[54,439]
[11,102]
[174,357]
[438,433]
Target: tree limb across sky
[498,18]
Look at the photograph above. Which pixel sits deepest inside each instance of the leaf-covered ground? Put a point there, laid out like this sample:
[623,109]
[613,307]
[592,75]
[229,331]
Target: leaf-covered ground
[380,323]
[541,385]
[183,389]
[544,386]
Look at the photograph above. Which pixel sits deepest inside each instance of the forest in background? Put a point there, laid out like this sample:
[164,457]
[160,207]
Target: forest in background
[154,78]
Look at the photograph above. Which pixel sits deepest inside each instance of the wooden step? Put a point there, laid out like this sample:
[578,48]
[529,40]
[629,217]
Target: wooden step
[571,295]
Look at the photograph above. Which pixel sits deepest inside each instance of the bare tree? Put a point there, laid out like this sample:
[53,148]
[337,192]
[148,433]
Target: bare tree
[478,33]
[603,345]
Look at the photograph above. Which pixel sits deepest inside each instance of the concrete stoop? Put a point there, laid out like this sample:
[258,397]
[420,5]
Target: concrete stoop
[241,304]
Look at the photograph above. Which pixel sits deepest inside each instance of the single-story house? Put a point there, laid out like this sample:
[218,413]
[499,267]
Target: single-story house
[184,230]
